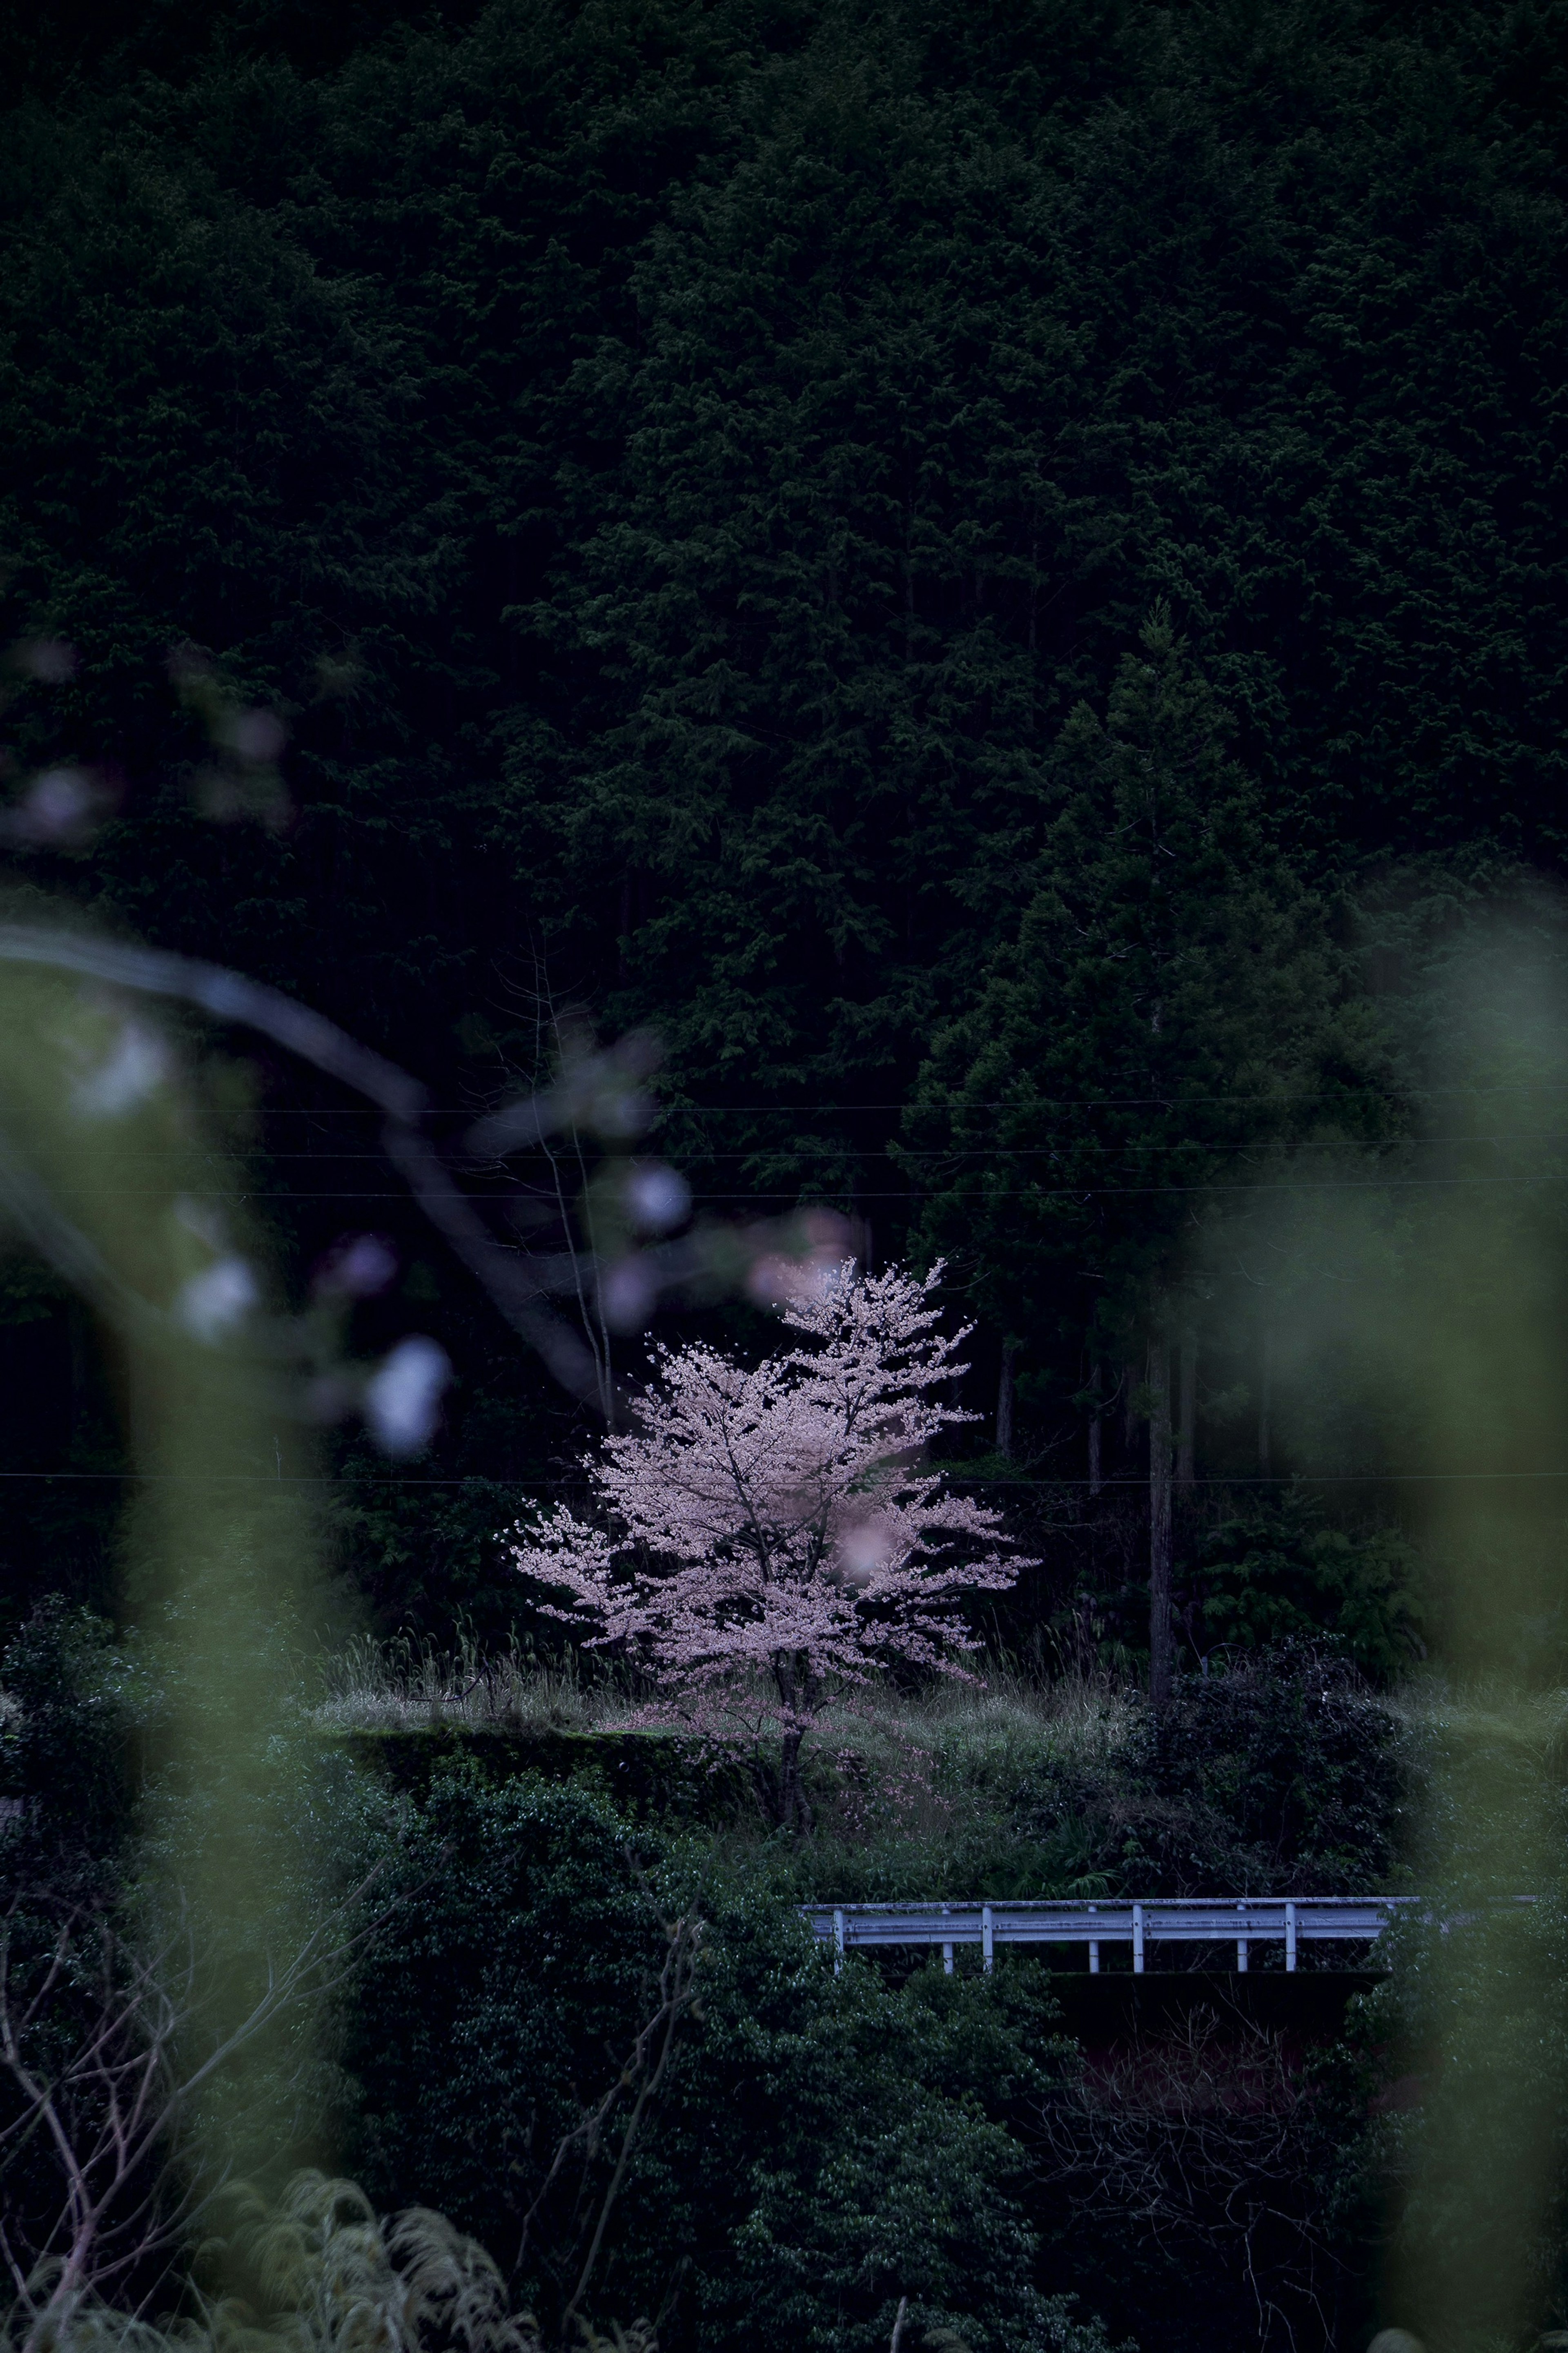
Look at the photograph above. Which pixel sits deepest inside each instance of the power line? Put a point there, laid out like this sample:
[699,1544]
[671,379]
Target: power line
[1136,1481]
[1007,1151]
[255,1195]
[956,1103]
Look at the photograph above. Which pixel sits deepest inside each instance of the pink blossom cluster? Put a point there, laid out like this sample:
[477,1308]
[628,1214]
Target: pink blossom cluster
[779,1521]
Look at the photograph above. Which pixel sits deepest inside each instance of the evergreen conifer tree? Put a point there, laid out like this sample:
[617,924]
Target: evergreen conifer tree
[1173,1015]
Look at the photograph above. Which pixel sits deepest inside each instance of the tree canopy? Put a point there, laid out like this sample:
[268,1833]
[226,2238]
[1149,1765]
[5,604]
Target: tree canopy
[676,470]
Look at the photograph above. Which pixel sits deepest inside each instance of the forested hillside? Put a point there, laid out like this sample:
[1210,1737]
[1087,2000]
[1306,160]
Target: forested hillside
[733,505]
[912,655]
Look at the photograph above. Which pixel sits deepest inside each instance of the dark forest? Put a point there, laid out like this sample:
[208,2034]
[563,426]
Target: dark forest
[971,600]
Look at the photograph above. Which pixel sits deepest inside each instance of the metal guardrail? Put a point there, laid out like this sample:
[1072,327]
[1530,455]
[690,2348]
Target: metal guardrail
[1210,1920]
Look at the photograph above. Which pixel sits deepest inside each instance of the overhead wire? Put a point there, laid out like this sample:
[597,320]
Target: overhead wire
[1137,1480]
[1005,1102]
[1011,1151]
[792,1198]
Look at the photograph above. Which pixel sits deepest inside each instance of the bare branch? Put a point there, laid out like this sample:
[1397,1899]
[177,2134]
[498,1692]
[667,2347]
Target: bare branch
[598,1092]
[640,2078]
[100,2117]
[1201,2136]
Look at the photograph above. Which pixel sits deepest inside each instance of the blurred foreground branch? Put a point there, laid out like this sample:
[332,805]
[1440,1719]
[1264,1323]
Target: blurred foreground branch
[596,1092]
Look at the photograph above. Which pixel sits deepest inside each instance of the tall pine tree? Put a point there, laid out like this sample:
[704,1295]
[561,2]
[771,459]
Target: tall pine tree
[1173,1016]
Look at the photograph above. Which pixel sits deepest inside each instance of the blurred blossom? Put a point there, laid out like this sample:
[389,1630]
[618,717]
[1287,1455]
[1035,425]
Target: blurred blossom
[212,1303]
[60,807]
[255,735]
[627,1295]
[247,784]
[136,1067]
[57,803]
[402,1399]
[803,1274]
[600,1093]
[357,1267]
[864,1548]
[657,1197]
[603,1091]
[49,659]
[618,1113]
[203,1219]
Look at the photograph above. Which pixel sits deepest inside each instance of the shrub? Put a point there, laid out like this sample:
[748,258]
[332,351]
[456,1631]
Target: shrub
[1263,1577]
[1281,1777]
[68,1704]
[821,2147]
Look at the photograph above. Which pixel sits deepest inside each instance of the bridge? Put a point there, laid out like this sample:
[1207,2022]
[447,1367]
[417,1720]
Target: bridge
[1247,1920]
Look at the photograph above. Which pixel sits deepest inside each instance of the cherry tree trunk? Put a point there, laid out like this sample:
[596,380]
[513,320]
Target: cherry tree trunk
[795,1811]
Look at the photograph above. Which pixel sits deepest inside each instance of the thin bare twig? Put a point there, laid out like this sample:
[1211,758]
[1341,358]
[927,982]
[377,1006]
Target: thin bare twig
[641,2077]
[104,2116]
[1201,2136]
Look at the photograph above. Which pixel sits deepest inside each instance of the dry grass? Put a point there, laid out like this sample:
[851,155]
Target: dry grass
[936,1763]
[387,1686]
[1488,1708]
[985,1726]
[401,1686]
[914,1762]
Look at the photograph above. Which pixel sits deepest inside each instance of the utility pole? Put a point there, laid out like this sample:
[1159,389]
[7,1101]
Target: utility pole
[1004,1398]
[1160,1661]
[1188,1409]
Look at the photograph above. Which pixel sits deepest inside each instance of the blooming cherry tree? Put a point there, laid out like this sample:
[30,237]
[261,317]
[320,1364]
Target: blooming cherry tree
[776,1526]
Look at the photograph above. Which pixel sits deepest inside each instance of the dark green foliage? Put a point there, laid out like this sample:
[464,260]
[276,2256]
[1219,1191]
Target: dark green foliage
[1257,1578]
[72,1703]
[427,1559]
[821,2147]
[1281,1777]
[1449,2094]
[1172,1015]
[471,2068]
[675,468]
[643,1774]
[870,2128]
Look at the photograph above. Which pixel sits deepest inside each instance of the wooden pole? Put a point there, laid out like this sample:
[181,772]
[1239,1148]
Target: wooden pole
[1004,1398]
[1160,1658]
[1188,1409]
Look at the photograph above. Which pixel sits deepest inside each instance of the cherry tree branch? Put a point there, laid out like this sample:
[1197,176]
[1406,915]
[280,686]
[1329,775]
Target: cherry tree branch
[598,1092]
